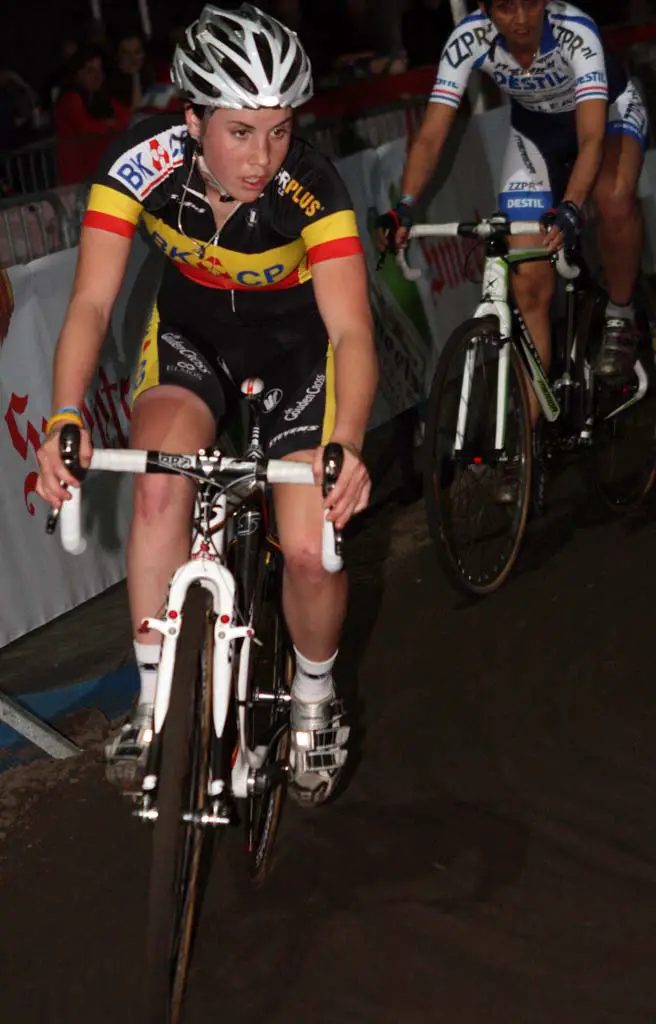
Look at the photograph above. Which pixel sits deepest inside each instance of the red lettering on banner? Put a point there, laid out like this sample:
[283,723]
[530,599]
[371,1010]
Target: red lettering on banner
[23,443]
[125,385]
[32,438]
[102,416]
[452,263]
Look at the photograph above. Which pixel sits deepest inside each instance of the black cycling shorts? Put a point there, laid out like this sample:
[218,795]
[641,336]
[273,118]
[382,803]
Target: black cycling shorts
[290,354]
[542,149]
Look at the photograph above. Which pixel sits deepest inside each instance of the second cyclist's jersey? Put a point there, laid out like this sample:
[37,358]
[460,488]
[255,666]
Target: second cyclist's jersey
[269,246]
[569,67]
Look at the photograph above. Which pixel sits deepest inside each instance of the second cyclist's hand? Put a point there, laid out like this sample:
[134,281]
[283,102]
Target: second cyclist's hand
[350,494]
[390,235]
[562,226]
[393,228]
[52,471]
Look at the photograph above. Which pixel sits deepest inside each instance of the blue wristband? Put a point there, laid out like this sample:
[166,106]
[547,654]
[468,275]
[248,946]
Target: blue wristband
[407,200]
[66,409]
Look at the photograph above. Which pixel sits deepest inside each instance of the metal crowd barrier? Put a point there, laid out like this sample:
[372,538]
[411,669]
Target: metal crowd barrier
[342,136]
[41,223]
[32,168]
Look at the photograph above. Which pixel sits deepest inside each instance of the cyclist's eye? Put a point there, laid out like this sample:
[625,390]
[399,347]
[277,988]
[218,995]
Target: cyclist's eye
[240,133]
[280,133]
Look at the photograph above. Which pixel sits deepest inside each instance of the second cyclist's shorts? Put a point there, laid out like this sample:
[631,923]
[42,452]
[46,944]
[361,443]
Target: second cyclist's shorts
[290,354]
[542,149]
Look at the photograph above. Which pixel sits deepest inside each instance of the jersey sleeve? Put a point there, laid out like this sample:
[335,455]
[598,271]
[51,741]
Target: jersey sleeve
[131,169]
[465,49]
[315,206]
[580,44]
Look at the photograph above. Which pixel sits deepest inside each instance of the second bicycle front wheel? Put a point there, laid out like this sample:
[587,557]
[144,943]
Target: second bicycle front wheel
[178,842]
[477,496]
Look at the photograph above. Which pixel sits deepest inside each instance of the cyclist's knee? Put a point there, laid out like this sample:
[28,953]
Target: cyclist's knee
[302,556]
[160,499]
[533,287]
[616,201]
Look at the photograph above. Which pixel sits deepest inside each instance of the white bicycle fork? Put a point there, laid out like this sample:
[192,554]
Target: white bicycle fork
[213,575]
[495,303]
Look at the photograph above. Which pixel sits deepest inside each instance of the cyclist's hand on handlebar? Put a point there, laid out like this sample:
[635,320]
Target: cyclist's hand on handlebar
[350,494]
[392,228]
[562,226]
[53,473]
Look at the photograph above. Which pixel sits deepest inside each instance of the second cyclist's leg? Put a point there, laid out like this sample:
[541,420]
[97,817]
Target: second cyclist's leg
[172,419]
[533,288]
[531,181]
[620,237]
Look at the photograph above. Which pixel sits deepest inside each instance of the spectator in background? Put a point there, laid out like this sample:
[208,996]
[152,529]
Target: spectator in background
[132,75]
[58,78]
[18,109]
[86,118]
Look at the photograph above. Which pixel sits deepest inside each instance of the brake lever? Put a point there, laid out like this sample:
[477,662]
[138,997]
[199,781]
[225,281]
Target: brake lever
[333,460]
[69,449]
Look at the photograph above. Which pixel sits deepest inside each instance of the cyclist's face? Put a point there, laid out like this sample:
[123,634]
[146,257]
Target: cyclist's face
[519,21]
[244,149]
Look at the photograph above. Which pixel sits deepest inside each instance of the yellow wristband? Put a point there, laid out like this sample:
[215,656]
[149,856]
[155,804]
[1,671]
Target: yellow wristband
[64,417]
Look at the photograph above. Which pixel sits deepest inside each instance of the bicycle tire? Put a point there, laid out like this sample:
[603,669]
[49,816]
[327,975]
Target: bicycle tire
[178,847]
[441,472]
[271,670]
[621,468]
[257,566]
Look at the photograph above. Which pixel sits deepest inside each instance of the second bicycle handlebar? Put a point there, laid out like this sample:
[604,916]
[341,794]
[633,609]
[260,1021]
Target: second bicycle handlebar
[481,230]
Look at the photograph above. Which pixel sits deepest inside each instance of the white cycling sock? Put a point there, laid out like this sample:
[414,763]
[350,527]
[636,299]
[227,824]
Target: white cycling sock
[147,656]
[615,312]
[313,680]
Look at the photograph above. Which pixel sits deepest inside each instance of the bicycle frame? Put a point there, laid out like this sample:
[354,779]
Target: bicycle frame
[206,567]
[495,294]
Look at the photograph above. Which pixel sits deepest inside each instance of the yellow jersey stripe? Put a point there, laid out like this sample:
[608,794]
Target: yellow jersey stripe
[330,229]
[108,201]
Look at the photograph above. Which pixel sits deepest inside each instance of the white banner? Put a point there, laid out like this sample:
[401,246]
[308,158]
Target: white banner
[37,580]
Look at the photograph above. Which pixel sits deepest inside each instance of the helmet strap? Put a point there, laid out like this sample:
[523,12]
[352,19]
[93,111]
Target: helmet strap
[224,195]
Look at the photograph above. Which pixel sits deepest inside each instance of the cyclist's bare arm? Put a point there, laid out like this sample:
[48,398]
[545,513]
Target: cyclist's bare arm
[100,270]
[342,295]
[591,123]
[423,158]
[427,147]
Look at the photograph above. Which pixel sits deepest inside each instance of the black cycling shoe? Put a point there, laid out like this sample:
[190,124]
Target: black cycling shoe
[618,350]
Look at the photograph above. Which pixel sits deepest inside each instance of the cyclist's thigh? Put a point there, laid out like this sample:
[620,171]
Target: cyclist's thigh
[299,416]
[539,156]
[624,151]
[177,400]
[298,408]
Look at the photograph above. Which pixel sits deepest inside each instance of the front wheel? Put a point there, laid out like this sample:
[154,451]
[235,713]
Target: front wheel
[477,495]
[178,844]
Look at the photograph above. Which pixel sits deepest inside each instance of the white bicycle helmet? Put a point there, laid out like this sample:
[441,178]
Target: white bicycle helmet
[241,59]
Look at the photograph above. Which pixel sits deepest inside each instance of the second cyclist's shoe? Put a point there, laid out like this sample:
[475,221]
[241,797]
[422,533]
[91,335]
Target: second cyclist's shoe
[318,751]
[618,350]
[126,754]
